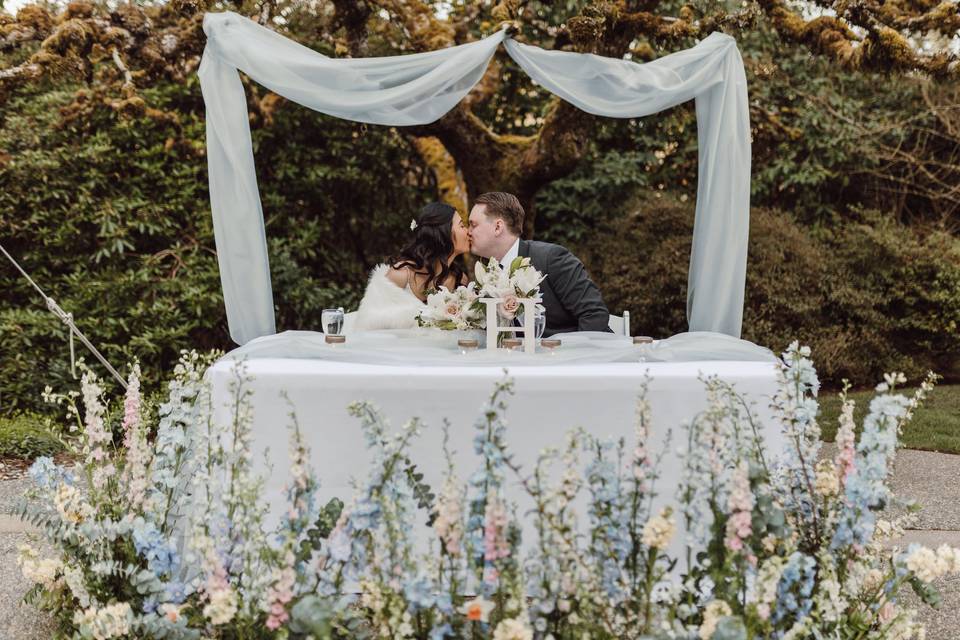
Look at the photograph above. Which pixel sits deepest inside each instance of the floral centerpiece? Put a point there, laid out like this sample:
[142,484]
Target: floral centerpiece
[453,310]
[503,292]
[520,280]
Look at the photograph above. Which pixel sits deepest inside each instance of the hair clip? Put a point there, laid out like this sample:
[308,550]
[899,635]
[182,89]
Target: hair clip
[413,224]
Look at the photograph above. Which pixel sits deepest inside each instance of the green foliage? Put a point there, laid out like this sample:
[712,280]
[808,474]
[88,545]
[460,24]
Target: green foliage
[572,208]
[112,219]
[869,296]
[28,436]
[822,138]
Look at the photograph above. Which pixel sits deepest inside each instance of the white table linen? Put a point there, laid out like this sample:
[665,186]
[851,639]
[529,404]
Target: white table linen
[548,400]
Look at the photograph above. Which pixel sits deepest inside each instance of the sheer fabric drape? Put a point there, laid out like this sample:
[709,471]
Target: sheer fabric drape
[420,88]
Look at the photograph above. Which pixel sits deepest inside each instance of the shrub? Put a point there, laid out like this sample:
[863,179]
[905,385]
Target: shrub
[869,295]
[28,436]
[112,218]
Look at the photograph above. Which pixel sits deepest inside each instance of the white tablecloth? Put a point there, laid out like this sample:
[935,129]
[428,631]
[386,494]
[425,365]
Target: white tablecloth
[548,401]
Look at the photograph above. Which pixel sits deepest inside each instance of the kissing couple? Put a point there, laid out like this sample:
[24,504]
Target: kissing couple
[397,290]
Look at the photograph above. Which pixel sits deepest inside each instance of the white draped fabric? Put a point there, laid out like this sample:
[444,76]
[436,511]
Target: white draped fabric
[420,88]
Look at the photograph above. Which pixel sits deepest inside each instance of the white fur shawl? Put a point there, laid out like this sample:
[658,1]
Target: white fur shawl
[385,305]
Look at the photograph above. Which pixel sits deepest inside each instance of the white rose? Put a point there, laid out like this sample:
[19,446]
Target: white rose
[526,280]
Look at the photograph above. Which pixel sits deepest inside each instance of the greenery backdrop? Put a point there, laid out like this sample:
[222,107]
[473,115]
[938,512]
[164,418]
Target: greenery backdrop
[853,244]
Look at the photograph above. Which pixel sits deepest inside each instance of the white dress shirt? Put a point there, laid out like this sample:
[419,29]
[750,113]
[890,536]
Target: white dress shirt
[511,253]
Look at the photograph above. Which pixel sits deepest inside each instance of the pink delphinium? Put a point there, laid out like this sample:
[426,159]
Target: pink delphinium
[846,445]
[495,544]
[448,524]
[134,441]
[494,532]
[280,594]
[96,435]
[740,505]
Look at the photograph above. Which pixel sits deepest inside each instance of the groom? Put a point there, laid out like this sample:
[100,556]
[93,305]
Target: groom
[572,301]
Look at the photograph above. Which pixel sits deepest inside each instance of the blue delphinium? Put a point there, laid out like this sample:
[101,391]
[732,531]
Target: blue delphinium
[419,592]
[795,588]
[608,517]
[866,489]
[158,551]
[486,483]
[47,474]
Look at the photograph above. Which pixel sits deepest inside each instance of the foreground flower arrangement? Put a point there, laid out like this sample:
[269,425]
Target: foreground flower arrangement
[462,309]
[159,532]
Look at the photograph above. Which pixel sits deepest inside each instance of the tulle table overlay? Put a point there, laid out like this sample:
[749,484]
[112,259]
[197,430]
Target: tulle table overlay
[434,347]
[595,388]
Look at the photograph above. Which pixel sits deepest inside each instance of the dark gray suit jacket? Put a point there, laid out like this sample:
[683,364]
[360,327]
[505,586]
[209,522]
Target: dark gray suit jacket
[572,301]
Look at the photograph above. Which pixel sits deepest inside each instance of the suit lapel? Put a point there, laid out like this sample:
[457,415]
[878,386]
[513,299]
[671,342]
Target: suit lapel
[524,249]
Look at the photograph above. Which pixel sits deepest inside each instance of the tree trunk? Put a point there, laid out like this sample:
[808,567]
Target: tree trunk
[520,165]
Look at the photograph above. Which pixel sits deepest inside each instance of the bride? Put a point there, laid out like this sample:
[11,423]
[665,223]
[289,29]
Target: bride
[397,290]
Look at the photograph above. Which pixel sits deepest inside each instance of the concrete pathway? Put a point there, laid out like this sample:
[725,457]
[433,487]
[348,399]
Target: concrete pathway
[18,621]
[931,479]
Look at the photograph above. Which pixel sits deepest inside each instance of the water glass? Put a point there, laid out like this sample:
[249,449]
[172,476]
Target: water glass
[539,323]
[332,320]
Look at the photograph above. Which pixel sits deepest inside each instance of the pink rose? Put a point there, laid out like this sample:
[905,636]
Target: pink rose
[509,306]
[453,309]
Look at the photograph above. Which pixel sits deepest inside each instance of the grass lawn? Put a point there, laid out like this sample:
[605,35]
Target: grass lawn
[934,427]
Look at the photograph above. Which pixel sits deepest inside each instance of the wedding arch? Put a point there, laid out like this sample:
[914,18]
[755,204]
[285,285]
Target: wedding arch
[419,88]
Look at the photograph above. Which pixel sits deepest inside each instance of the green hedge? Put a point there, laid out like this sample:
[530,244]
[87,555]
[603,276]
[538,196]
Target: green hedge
[868,296]
[112,218]
[28,436]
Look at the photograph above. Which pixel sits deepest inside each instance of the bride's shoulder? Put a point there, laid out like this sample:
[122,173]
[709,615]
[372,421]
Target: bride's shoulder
[398,276]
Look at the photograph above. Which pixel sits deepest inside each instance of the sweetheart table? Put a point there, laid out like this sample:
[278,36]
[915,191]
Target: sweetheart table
[429,378]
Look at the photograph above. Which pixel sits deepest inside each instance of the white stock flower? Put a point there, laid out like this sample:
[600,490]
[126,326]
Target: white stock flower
[827,483]
[833,604]
[222,606]
[36,569]
[950,557]
[711,617]
[512,629]
[926,564]
[659,529]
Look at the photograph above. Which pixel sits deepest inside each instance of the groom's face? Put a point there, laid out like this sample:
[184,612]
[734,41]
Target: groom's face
[484,231]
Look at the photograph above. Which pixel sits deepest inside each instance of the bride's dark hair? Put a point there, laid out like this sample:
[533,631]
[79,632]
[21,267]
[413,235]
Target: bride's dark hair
[432,244]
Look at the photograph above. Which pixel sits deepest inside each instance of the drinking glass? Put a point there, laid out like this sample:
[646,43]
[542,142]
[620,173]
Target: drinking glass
[332,320]
[539,323]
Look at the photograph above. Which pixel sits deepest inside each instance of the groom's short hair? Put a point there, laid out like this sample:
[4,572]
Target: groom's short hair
[503,205]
